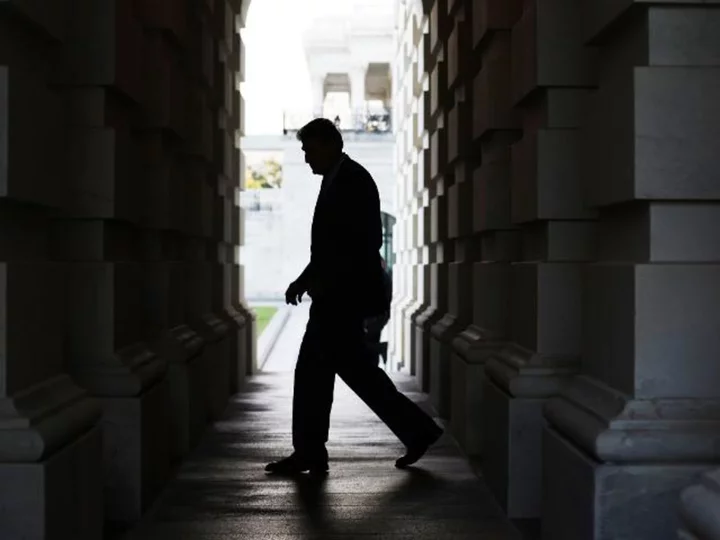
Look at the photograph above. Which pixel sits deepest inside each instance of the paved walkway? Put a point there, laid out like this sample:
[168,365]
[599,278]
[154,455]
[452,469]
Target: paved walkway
[284,353]
[221,491]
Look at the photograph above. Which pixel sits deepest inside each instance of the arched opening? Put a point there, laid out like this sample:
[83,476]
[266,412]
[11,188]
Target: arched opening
[315,70]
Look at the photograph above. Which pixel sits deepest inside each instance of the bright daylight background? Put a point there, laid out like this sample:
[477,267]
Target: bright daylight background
[275,61]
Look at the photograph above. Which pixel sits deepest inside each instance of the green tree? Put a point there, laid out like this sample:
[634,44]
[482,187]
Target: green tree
[266,175]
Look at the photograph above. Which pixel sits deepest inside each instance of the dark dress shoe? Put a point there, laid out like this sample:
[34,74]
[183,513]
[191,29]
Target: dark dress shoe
[292,465]
[417,450]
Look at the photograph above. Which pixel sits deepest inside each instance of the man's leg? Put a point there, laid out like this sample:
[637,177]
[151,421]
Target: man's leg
[313,388]
[412,426]
[312,393]
[312,396]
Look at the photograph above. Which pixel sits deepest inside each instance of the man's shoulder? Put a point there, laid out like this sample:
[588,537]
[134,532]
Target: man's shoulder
[356,169]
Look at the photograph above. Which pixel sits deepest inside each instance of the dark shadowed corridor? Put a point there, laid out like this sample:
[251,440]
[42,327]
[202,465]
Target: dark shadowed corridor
[221,491]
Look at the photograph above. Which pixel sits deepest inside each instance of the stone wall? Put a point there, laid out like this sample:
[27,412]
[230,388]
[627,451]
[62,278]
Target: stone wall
[558,310]
[123,333]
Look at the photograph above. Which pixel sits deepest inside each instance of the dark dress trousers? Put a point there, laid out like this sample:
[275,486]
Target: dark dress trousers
[346,282]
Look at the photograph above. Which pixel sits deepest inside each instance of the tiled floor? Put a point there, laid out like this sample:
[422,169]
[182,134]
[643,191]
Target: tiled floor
[222,492]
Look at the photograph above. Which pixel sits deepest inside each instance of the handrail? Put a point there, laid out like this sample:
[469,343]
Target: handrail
[359,122]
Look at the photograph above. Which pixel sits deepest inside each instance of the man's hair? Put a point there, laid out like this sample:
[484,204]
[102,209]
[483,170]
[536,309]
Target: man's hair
[321,129]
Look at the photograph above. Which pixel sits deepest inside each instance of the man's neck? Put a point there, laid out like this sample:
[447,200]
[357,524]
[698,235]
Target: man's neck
[336,165]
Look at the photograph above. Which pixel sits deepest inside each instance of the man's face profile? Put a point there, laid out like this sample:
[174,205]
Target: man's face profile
[319,155]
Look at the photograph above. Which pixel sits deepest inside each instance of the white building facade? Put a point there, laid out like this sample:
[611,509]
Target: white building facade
[413,211]
[349,52]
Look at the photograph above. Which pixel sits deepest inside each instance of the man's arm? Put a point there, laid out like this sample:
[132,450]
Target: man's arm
[363,219]
[304,278]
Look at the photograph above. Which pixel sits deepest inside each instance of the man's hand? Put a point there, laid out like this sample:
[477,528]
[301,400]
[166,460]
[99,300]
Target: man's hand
[294,293]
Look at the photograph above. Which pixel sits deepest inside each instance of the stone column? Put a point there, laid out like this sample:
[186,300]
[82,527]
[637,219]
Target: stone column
[486,200]
[165,102]
[549,81]
[419,301]
[434,199]
[50,439]
[408,99]
[102,237]
[401,270]
[458,183]
[232,310]
[198,302]
[318,94]
[642,421]
[357,95]
[409,242]
[234,268]
[420,170]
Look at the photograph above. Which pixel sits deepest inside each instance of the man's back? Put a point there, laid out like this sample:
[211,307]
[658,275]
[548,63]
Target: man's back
[347,237]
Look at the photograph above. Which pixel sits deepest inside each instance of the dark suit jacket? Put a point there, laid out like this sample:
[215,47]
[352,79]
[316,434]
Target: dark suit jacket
[346,239]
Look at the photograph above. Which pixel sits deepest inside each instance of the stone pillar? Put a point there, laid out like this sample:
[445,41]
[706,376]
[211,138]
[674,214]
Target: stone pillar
[229,221]
[437,176]
[102,237]
[419,301]
[420,168]
[494,128]
[357,95]
[442,176]
[549,82]
[642,421]
[458,186]
[50,439]
[317,84]
[163,215]
[235,270]
[401,276]
[409,96]
[420,316]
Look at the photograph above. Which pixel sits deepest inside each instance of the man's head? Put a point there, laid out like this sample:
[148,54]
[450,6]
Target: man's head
[322,144]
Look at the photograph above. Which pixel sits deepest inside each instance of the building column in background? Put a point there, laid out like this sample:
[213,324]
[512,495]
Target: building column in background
[357,95]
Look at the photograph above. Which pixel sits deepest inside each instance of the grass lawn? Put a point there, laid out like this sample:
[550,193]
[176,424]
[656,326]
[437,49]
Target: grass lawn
[263,315]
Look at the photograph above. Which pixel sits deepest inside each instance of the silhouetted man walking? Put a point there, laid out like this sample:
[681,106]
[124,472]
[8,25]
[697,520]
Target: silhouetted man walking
[345,280]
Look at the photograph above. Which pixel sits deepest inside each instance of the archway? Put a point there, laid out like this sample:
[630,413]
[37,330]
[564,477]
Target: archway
[293,84]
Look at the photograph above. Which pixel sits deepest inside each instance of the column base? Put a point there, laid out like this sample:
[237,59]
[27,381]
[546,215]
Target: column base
[400,351]
[422,324]
[58,498]
[512,458]
[182,348]
[411,341]
[441,335]
[51,463]
[613,449]
[699,509]
[215,362]
[595,501]
[518,384]
[249,338]
[408,348]
[397,308]
[136,450]
[470,351]
[238,348]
